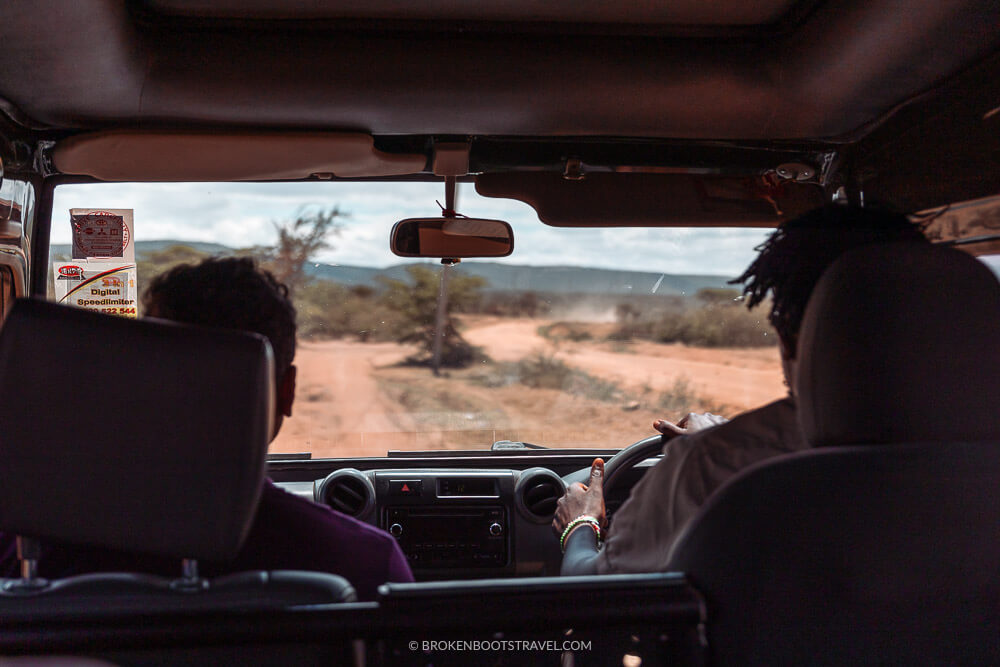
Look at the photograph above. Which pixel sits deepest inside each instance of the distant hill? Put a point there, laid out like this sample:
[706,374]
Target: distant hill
[552,279]
[499,276]
[154,246]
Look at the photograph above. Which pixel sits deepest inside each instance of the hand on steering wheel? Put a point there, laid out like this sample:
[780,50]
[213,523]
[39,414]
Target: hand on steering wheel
[623,460]
[584,496]
[582,500]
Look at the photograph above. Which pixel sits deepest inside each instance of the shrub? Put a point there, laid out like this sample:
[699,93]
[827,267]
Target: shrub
[626,332]
[716,326]
[546,371]
[559,331]
[456,352]
[679,399]
[543,371]
[682,398]
[329,310]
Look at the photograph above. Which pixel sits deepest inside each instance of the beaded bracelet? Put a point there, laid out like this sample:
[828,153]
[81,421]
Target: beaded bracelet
[583,519]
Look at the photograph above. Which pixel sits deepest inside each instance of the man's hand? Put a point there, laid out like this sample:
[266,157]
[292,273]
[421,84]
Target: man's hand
[580,499]
[691,422]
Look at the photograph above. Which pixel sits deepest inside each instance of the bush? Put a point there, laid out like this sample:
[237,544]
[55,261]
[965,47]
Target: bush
[329,310]
[559,331]
[543,371]
[546,371]
[719,296]
[456,352]
[716,326]
[680,399]
[627,332]
[510,304]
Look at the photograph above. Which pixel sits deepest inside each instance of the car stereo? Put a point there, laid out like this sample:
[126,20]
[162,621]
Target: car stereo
[468,536]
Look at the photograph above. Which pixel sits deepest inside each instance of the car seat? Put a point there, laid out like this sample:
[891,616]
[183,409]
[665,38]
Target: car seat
[138,436]
[878,545]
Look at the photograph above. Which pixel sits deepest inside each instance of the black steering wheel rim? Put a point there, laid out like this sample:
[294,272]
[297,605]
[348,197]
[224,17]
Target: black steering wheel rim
[625,459]
[629,457]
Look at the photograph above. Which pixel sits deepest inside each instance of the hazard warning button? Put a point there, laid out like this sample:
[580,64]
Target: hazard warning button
[405,487]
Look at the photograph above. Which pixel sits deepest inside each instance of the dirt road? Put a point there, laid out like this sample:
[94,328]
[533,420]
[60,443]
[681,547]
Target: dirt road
[342,407]
[741,378]
[337,401]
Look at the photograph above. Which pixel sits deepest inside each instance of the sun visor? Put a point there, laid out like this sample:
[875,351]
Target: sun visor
[973,226]
[652,200]
[190,156]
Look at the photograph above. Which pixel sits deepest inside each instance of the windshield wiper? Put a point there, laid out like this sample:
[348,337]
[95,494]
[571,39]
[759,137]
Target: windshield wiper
[501,448]
[511,445]
[296,456]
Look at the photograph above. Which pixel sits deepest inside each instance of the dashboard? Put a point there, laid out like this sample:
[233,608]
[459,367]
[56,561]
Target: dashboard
[453,522]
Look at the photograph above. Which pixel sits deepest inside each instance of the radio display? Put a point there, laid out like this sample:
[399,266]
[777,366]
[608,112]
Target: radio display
[453,537]
[485,487]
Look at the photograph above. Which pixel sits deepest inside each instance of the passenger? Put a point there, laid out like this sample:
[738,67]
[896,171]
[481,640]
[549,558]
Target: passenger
[288,532]
[698,462]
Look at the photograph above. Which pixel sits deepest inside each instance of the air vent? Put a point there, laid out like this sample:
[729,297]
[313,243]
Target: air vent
[537,492]
[348,491]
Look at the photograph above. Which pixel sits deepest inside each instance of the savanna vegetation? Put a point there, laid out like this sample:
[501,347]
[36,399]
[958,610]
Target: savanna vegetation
[404,310]
[531,388]
[714,318]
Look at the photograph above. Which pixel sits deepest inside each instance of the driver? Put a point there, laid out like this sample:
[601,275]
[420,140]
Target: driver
[697,462]
[288,532]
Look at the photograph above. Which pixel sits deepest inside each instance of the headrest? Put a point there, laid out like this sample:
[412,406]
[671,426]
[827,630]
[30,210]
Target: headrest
[142,435]
[900,343]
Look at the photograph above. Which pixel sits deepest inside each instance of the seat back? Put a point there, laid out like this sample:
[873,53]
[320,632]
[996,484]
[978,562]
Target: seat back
[591,620]
[134,435]
[879,544]
[147,437]
[855,554]
[132,593]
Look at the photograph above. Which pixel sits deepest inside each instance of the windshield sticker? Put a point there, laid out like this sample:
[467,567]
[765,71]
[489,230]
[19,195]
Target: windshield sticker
[102,274]
[99,286]
[102,233]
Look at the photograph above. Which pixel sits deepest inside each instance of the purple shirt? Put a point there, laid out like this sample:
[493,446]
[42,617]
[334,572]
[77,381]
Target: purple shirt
[288,533]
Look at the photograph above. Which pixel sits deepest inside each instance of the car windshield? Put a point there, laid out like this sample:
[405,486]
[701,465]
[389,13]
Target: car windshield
[581,338]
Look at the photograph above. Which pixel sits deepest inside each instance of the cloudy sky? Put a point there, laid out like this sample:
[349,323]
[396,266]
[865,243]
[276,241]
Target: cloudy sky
[241,214]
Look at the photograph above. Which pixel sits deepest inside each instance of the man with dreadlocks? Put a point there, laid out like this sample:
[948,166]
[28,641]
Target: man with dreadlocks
[698,462]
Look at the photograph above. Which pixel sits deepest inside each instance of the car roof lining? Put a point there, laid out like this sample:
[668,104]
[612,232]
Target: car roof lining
[845,87]
[626,13]
[105,66]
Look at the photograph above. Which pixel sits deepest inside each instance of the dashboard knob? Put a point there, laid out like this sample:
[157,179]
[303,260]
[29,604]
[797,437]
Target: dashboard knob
[496,529]
[395,530]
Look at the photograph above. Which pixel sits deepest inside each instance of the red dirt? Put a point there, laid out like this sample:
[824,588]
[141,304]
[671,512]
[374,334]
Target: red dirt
[341,411]
[740,378]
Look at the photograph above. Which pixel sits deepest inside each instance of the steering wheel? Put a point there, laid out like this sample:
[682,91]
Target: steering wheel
[623,460]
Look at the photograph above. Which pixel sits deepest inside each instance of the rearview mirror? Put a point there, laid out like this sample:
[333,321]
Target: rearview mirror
[451,238]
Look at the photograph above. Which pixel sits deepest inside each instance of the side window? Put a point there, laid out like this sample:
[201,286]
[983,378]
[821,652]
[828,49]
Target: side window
[975,223]
[992,261]
[16,219]
[972,226]
[6,292]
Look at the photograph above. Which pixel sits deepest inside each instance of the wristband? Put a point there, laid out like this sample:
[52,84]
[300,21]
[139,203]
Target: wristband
[583,519]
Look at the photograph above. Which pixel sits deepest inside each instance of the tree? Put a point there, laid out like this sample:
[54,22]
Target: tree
[298,241]
[416,302]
